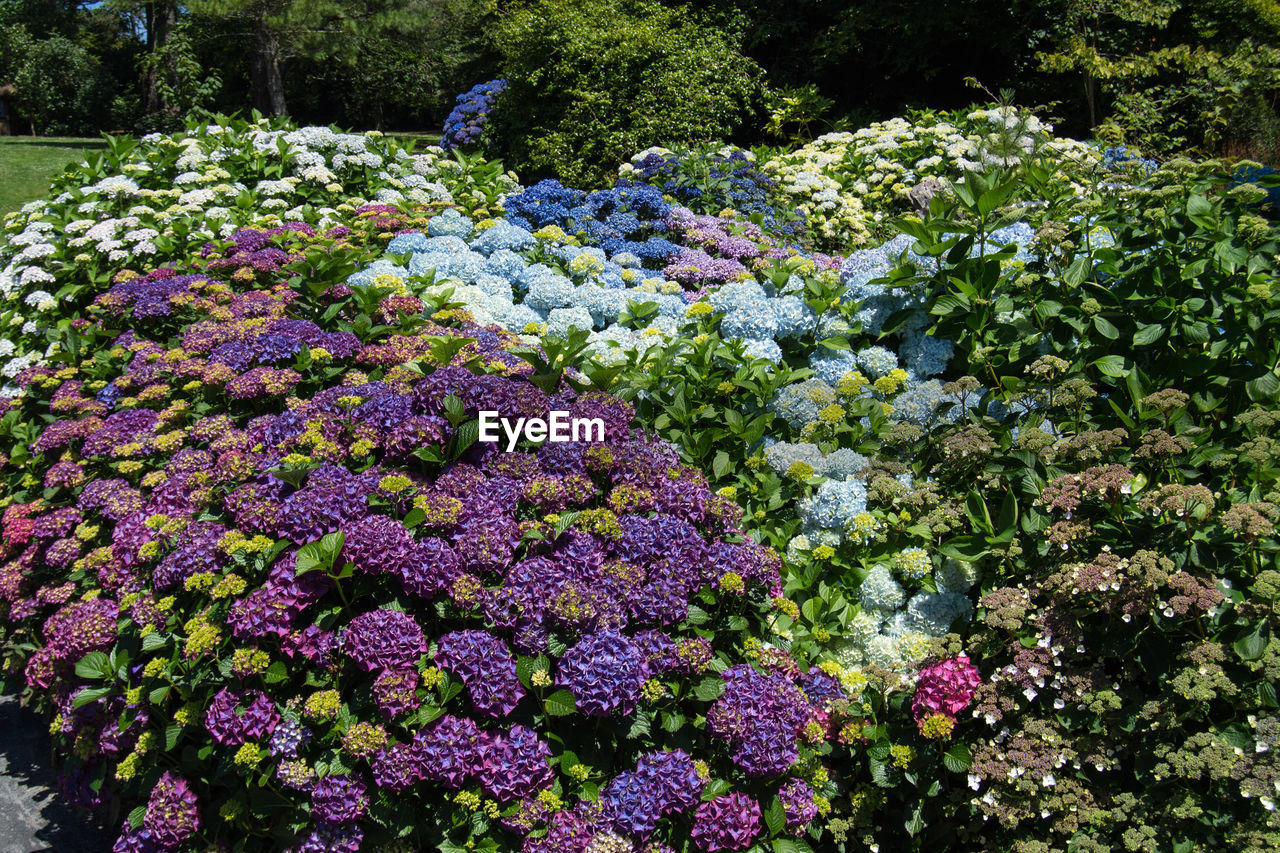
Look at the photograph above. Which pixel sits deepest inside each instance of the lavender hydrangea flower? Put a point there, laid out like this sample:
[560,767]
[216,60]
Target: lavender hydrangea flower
[173,813]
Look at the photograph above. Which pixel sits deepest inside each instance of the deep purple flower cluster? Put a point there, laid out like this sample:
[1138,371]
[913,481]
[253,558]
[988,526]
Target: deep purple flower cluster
[604,672]
[761,715]
[663,784]
[466,122]
[798,804]
[80,628]
[486,666]
[236,716]
[173,812]
[514,764]
[383,640]
[339,799]
[729,822]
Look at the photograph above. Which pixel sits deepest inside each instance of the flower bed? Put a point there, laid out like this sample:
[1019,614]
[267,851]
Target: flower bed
[908,538]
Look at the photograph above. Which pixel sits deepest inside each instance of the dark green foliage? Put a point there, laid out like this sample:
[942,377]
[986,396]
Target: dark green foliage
[593,83]
[63,88]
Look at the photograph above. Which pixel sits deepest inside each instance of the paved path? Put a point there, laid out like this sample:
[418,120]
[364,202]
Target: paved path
[32,817]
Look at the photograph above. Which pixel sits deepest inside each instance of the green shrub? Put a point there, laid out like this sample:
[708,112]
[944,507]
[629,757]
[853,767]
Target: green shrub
[63,88]
[591,84]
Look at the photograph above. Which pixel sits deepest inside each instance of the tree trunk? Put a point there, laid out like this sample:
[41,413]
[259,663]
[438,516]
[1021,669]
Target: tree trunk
[161,18]
[268,85]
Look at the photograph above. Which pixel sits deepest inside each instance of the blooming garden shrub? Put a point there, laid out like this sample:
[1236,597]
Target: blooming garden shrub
[962,540]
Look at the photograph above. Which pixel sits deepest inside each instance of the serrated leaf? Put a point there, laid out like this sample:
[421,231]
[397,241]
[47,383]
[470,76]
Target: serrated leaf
[1105,327]
[89,694]
[561,704]
[136,816]
[709,688]
[1250,647]
[94,666]
[275,673]
[775,817]
[171,735]
[957,759]
[154,640]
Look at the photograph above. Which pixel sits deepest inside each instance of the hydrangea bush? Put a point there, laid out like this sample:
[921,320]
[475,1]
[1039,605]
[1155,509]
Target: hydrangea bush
[896,546]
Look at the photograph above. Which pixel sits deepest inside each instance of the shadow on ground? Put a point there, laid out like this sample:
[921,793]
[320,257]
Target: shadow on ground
[49,142]
[32,815]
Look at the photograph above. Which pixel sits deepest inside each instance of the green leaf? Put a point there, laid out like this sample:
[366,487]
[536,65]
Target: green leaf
[835,343]
[275,673]
[1111,365]
[775,817]
[1148,334]
[155,640]
[95,666]
[1105,327]
[957,759]
[136,816]
[89,694]
[966,548]
[1250,647]
[709,688]
[561,704]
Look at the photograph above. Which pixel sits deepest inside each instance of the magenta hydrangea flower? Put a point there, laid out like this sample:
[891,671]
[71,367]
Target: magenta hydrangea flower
[486,666]
[384,639]
[945,687]
[604,672]
[173,813]
[729,822]
[339,799]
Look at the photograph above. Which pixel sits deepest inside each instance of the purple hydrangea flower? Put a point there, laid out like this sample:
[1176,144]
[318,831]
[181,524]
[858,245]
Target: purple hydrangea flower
[384,639]
[605,673]
[234,717]
[486,666]
[172,815]
[339,799]
[729,822]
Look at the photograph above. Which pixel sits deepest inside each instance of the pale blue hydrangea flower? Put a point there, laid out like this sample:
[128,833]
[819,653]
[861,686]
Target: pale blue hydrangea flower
[560,319]
[876,361]
[795,318]
[831,365]
[879,592]
[956,576]
[495,286]
[504,235]
[926,355]
[550,292]
[450,223]
[751,319]
[834,504]
[918,403]
[505,263]
[414,241]
[933,613]
[365,277]
[800,402]
[765,348]
[604,304]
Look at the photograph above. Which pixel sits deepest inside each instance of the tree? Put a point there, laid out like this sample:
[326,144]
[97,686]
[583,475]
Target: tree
[592,83]
[1175,73]
[319,30]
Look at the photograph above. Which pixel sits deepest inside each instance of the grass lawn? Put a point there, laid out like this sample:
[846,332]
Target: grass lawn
[27,164]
